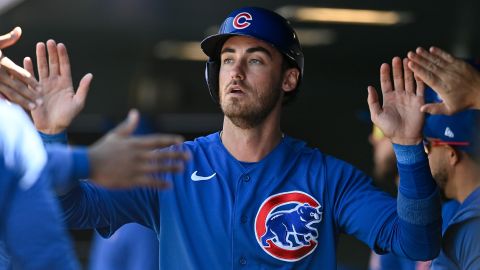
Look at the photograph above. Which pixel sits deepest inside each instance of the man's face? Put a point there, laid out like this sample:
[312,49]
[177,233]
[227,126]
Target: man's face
[438,161]
[250,80]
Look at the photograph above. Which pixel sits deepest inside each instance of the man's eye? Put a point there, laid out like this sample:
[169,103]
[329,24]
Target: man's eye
[227,60]
[255,61]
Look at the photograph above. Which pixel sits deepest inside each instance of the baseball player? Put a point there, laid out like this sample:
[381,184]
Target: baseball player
[253,197]
[32,234]
[452,145]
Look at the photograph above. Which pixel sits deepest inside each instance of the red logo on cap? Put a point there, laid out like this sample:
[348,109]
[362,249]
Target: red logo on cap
[241,20]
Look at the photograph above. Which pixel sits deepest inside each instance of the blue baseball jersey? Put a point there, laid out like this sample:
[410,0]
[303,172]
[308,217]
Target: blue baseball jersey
[31,232]
[461,245]
[132,247]
[283,212]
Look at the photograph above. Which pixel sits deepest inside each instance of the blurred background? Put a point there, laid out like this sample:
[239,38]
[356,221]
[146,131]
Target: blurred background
[146,54]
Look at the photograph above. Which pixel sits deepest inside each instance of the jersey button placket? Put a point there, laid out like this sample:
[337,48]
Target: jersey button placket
[245,178]
[243,219]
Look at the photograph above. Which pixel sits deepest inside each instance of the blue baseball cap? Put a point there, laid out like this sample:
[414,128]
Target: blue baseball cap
[461,130]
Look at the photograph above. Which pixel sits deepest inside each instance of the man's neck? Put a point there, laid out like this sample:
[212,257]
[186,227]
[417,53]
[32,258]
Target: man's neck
[251,145]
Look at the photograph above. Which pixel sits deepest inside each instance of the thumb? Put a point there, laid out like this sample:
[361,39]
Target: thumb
[83,87]
[435,108]
[11,38]
[128,126]
[373,103]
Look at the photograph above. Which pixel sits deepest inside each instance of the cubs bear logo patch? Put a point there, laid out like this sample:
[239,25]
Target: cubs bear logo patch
[285,225]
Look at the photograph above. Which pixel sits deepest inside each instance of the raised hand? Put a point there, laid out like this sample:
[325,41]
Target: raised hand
[61,103]
[457,82]
[119,160]
[399,117]
[16,84]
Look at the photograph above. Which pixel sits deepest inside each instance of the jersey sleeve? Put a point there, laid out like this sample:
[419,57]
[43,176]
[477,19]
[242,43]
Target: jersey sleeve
[88,206]
[364,211]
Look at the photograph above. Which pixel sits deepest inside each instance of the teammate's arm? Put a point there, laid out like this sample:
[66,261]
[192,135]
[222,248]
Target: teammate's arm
[457,82]
[418,205]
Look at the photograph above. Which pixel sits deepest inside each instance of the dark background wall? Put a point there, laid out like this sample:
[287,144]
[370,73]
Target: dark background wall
[117,41]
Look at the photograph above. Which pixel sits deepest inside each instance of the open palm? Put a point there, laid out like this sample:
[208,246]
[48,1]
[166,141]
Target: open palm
[400,117]
[61,103]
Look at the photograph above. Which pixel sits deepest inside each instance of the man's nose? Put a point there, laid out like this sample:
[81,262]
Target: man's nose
[237,73]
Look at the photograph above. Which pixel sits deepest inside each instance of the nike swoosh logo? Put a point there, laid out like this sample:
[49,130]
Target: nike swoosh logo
[196,177]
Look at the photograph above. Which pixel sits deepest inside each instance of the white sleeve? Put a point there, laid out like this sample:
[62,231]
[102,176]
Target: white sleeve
[20,144]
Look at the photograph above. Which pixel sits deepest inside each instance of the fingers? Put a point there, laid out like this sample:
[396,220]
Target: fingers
[448,58]
[420,91]
[152,168]
[426,70]
[18,92]
[11,38]
[435,108]
[397,74]
[128,126]
[42,63]
[422,73]
[162,156]
[156,141]
[83,87]
[385,80]
[63,59]
[150,182]
[19,73]
[13,96]
[53,60]
[28,65]
[434,62]
[409,80]
[373,103]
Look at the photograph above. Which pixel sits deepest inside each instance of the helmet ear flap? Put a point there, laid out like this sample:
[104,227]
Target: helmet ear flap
[212,68]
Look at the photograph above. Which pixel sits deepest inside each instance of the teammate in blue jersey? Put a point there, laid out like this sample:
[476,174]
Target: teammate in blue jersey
[453,148]
[32,234]
[253,197]
[31,231]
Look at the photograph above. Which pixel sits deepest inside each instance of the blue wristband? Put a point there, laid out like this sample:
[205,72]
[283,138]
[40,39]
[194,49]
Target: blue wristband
[60,138]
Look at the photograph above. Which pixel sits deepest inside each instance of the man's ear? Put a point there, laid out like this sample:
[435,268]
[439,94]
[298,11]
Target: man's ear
[453,156]
[290,79]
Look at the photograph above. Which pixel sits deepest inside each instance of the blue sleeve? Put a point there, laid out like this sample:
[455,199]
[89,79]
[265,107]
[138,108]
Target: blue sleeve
[462,244]
[69,163]
[34,235]
[371,215]
[87,206]
[60,138]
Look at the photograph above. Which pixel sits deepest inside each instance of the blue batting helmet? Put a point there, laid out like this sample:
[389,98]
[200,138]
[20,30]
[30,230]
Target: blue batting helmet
[253,22]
